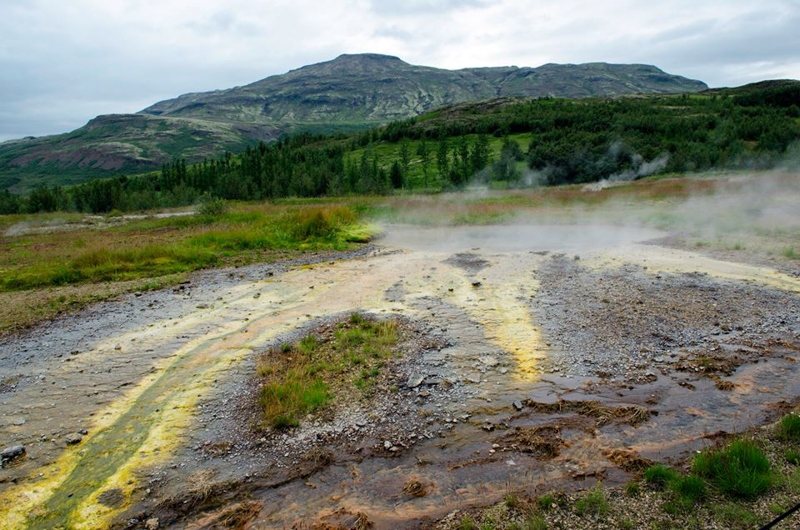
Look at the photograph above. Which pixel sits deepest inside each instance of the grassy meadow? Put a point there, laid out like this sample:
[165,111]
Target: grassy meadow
[54,263]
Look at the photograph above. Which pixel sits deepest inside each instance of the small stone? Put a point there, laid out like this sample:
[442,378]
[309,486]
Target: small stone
[10,454]
[517,405]
[489,361]
[73,438]
[414,380]
[152,524]
[387,444]
[476,283]
[473,379]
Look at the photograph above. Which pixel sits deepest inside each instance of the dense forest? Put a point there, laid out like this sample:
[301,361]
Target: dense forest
[508,142]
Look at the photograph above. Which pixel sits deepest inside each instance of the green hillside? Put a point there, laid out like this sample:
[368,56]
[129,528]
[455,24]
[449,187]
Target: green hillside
[506,142]
[349,93]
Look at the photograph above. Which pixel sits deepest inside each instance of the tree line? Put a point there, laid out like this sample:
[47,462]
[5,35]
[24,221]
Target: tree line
[508,141]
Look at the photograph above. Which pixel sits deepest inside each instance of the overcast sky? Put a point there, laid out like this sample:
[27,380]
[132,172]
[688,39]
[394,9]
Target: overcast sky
[62,62]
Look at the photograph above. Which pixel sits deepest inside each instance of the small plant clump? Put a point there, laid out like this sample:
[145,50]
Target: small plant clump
[211,205]
[739,469]
[305,376]
[789,428]
[659,476]
[594,503]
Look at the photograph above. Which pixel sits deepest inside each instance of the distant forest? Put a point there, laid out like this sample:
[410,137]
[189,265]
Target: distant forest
[501,143]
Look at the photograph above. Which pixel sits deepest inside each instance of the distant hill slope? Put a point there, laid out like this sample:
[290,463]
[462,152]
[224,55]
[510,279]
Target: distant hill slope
[347,93]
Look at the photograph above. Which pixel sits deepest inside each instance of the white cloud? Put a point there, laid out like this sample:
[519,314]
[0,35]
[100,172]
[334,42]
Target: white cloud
[70,61]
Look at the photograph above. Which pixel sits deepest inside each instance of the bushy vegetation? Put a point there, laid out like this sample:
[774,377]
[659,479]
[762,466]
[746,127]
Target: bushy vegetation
[302,377]
[503,143]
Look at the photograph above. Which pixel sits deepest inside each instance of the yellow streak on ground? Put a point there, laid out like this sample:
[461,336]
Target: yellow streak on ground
[667,260]
[284,303]
[499,304]
[18,503]
[25,500]
[163,438]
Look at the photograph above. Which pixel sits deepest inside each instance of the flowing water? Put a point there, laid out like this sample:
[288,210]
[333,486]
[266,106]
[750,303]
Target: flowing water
[136,375]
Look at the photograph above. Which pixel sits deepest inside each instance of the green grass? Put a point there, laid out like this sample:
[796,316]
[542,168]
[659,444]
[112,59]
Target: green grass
[789,428]
[689,490]
[740,469]
[735,516]
[307,375]
[660,476]
[152,248]
[594,503]
[535,522]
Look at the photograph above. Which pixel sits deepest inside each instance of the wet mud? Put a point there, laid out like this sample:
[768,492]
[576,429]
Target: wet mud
[533,358]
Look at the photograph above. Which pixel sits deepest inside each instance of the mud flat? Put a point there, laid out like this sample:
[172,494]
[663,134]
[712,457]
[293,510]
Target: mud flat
[533,357]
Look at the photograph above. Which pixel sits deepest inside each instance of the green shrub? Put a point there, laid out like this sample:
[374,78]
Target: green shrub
[211,205]
[740,469]
[793,457]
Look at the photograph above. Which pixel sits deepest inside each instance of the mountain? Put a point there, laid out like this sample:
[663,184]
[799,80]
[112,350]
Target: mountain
[347,93]
[379,88]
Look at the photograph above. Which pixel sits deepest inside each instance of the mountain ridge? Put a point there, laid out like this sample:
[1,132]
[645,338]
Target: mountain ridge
[350,92]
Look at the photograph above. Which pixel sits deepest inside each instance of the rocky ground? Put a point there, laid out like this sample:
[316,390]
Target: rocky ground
[642,365]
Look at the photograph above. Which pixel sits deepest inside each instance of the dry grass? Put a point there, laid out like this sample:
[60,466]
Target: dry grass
[415,488]
[630,414]
[24,309]
[543,441]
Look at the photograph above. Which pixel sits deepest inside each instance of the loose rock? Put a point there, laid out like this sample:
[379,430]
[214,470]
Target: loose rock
[10,454]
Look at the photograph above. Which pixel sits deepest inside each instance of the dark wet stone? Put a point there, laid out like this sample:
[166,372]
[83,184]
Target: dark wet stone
[517,405]
[10,454]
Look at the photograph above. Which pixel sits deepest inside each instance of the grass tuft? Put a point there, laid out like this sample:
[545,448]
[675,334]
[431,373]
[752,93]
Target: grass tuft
[594,503]
[739,469]
[689,489]
[659,476]
[789,428]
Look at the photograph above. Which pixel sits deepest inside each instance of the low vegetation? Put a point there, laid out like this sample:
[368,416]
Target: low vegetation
[743,483]
[306,376]
[59,263]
